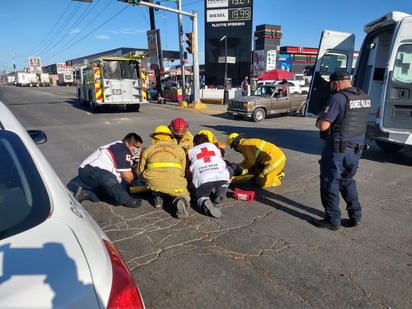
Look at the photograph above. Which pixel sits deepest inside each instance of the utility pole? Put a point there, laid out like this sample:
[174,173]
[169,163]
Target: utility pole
[13,56]
[181,51]
[193,16]
[157,68]
[225,86]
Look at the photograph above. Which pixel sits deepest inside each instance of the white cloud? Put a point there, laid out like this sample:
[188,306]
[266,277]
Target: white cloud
[128,31]
[102,37]
[74,31]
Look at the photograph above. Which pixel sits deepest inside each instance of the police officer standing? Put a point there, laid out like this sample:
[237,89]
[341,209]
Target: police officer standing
[342,125]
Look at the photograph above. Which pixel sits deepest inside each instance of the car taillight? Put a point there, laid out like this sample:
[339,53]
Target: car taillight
[124,293]
[378,115]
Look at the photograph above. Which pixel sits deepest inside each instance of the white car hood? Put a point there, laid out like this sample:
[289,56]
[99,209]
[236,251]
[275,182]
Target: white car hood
[45,267]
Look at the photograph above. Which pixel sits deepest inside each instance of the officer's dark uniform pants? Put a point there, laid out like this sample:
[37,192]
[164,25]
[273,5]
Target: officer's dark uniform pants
[104,182]
[337,170]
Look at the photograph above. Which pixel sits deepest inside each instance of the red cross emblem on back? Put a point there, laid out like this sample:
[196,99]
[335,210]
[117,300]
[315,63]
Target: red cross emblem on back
[205,154]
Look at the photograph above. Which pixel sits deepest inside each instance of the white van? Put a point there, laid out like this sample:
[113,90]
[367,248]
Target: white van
[383,70]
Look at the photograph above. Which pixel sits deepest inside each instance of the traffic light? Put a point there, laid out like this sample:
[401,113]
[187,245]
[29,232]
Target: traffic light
[190,47]
[132,2]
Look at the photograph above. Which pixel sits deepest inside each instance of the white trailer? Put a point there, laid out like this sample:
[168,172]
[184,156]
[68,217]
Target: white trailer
[10,80]
[66,78]
[22,79]
[33,80]
[44,79]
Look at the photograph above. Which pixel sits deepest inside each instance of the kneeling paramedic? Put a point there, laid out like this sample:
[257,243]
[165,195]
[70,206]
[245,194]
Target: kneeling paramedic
[264,160]
[342,125]
[208,173]
[108,171]
[162,166]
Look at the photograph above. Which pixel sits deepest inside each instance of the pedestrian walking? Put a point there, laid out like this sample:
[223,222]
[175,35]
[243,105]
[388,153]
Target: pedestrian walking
[245,86]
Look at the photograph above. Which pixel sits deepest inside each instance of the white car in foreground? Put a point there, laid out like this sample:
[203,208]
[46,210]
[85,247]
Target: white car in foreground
[52,253]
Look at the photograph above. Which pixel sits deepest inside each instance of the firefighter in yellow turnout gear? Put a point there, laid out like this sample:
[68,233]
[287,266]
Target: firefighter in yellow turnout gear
[263,159]
[162,166]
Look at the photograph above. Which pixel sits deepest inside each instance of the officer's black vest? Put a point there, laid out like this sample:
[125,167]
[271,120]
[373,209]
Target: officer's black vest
[355,119]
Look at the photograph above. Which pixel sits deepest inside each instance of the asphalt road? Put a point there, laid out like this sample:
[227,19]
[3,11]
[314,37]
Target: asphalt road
[261,254]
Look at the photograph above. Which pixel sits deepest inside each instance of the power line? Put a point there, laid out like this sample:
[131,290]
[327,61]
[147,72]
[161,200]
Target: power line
[91,20]
[93,30]
[59,30]
[54,27]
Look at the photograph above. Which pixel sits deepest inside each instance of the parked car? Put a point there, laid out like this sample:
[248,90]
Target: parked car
[268,99]
[52,253]
[298,79]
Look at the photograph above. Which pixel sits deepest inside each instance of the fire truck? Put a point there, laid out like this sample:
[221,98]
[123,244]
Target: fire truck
[111,81]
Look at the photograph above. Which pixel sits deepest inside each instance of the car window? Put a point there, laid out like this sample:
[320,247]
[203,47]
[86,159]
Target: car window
[24,201]
[402,70]
[264,91]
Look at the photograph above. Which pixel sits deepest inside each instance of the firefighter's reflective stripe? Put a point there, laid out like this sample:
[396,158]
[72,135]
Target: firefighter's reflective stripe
[144,85]
[262,144]
[98,84]
[164,164]
[271,167]
[177,191]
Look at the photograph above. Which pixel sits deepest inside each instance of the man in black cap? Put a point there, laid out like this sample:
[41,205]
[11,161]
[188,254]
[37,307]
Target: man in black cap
[342,125]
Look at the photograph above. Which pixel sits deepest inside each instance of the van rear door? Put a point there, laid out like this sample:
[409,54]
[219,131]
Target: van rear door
[396,109]
[335,52]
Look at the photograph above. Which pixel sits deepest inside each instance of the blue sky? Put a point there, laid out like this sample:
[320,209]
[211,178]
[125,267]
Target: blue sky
[59,30]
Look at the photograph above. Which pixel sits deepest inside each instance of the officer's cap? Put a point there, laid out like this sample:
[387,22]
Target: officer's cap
[339,75]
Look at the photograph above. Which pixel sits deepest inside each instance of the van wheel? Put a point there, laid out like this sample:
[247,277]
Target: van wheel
[259,114]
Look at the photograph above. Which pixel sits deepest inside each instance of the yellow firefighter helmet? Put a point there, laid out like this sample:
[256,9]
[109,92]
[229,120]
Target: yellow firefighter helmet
[162,133]
[211,138]
[232,138]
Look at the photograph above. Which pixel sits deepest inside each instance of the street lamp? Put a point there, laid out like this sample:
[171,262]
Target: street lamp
[221,39]
[225,86]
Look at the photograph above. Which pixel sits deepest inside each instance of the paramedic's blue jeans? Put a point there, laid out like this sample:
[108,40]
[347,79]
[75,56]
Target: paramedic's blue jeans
[337,170]
[104,182]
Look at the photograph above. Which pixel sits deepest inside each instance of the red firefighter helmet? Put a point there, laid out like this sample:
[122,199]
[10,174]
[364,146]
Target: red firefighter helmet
[178,126]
